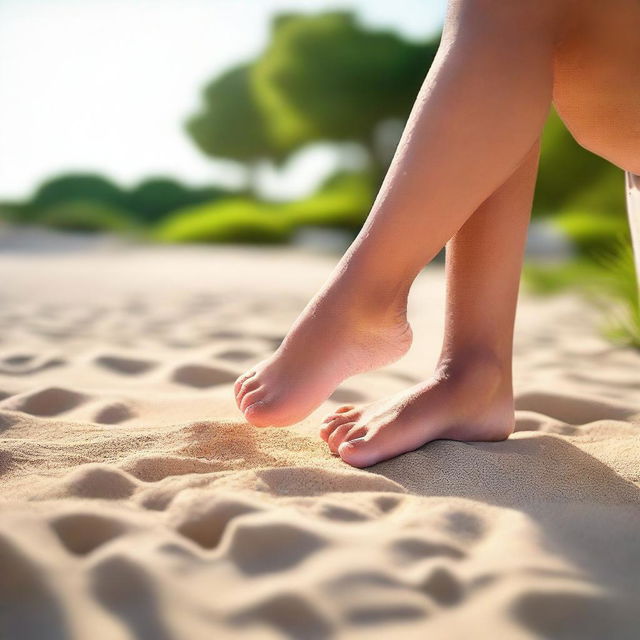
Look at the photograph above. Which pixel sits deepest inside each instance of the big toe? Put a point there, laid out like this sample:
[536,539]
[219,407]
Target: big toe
[265,411]
[361,452]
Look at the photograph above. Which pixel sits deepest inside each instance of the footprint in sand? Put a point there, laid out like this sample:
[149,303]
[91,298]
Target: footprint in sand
[125,366]
[113,413]
[236,355]
[207,517]
[96,480]
[84,532]
[443,586]
[264,544]
[51,401]
[290,613]
[226,335]
[203,376]
[21,364]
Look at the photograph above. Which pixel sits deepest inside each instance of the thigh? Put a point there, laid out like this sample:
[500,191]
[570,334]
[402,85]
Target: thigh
[597,78]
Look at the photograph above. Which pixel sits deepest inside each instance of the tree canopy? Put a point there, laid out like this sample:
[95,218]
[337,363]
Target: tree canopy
[230,123]
[325,77]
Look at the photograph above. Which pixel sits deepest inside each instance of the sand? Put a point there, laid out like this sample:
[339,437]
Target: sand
[136,503]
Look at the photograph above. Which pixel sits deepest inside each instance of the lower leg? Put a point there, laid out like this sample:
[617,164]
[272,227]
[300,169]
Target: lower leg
[470,396]
[480,110]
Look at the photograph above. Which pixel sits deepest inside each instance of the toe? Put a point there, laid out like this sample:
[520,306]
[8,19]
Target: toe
[360,452]
[247,386]
[357,431]
[328,428]
[242,379]
[252,397]
[340,412]
[333,422]
[338,435]
[265,412]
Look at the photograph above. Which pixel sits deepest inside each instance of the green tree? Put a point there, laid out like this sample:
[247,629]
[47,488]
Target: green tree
[324,77]
[231,124]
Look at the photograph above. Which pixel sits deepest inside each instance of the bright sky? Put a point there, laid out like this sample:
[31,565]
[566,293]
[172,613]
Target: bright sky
[105,85]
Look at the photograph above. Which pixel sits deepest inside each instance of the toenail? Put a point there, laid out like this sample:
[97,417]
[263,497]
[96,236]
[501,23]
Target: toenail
[345,408]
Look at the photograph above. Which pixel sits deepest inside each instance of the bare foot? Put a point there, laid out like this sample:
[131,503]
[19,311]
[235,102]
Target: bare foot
[334,338]
[469,399]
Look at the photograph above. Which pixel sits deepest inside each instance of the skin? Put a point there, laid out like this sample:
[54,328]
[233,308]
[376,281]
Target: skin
[463,175]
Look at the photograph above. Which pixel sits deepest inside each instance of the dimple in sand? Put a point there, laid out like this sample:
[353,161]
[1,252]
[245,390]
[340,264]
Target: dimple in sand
[463,176]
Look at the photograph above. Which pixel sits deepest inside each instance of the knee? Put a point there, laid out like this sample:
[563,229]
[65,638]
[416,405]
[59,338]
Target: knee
[495,24]
[515,14]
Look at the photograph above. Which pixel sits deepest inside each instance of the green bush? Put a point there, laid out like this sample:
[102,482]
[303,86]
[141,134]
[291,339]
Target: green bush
[15,212]
[592,233]
[342,202]
[78,186]
[85,215]
[604,195]
[232,220]
[155,198]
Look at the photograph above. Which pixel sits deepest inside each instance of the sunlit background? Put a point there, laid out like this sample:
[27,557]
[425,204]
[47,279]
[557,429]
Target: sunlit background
[106,85]
[252,121]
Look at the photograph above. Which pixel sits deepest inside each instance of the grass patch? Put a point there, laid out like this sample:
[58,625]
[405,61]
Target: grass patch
[608,281]
[622,291]
[237,220]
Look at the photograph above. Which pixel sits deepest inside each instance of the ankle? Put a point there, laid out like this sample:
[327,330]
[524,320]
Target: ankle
[491,365]
[367,304]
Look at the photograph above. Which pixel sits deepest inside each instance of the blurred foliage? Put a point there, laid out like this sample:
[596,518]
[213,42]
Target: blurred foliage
[566,169]
[104,202]
[592,232]
[80,186]
[608,279]
[231,123]
[232,220]
[324,77]
[341,202]
[85,215]
[622,295]
[155,198]
[578,274]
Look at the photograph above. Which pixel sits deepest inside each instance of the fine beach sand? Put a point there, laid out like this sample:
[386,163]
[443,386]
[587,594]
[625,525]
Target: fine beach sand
[136,503]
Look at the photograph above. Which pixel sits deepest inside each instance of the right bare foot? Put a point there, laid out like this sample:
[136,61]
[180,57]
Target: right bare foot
[468,399]
[334,338]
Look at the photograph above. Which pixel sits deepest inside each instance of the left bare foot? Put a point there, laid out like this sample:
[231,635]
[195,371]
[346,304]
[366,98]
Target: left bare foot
[468,399]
